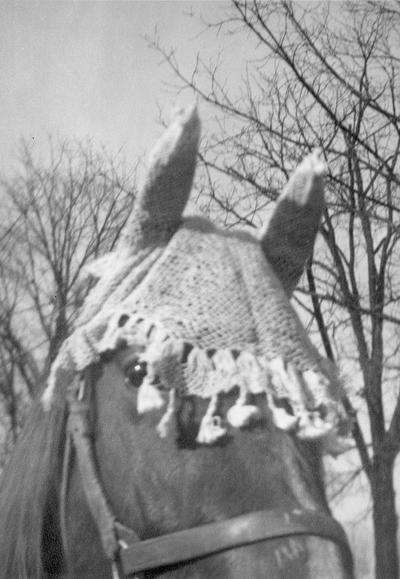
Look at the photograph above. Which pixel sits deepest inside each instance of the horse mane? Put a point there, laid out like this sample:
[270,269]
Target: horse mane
[28,496]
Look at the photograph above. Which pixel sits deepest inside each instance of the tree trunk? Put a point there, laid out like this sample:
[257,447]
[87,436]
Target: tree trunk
[385,519]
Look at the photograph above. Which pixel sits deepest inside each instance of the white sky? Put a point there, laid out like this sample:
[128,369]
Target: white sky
[84,69]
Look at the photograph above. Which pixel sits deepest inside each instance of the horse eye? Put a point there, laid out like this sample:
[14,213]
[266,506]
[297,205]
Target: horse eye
[135,373]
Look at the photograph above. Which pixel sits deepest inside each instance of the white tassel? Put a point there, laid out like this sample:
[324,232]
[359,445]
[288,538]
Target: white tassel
[210,427]
[226,372]
[312,427]
[282,419]
[164,426]
[317,382]
[198,363]
[288,383]
[241,414]
[224,363]
[166,363]
[319,386]
[278,376]
[210,430]
[157,343]
[254,376]
[148,398]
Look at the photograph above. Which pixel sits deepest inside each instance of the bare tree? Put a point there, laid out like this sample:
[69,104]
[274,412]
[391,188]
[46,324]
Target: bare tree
[58,213]
[325,75]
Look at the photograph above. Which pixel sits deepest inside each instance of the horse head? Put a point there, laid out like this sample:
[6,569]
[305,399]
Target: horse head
[198,407]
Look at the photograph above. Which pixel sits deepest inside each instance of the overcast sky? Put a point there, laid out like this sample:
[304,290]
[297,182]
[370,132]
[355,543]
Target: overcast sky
[85,69]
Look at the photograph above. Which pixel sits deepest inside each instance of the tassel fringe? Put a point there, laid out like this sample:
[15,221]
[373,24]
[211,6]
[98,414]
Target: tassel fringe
[149,398]
[241,414]
[165,424]
[315,410]
[281,418]
[211,429]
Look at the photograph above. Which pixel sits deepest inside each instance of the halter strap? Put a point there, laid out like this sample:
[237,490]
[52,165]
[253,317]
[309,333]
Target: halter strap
[129,554]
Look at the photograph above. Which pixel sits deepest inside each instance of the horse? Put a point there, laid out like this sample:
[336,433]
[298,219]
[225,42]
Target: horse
[171,442]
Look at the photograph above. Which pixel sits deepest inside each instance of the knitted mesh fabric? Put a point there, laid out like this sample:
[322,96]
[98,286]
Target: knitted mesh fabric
[205,310]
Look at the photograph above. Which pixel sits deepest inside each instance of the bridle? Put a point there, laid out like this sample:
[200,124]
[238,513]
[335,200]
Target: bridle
[129,555]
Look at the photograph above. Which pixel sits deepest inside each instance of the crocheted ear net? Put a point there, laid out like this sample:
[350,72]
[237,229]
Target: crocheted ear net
[205,309]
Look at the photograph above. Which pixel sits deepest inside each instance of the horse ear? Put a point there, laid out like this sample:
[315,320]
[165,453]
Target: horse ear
[290,235]
[158,208]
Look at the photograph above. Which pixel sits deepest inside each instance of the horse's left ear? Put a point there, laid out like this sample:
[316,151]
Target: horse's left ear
[158,208]
[290,235]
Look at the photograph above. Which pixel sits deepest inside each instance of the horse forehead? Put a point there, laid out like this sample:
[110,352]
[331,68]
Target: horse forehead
[202,261]
[210,282]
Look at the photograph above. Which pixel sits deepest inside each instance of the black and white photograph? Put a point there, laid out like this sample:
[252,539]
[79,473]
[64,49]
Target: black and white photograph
[200,289]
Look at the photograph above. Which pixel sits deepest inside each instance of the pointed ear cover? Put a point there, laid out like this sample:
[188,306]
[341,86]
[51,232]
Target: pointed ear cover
[159,205]
[289,238]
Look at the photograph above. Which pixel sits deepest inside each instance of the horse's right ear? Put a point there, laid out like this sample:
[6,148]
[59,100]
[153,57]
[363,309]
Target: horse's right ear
[158,208]
[289,238]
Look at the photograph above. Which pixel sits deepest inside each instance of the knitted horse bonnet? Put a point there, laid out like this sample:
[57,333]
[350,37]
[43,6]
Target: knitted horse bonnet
[208,310]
